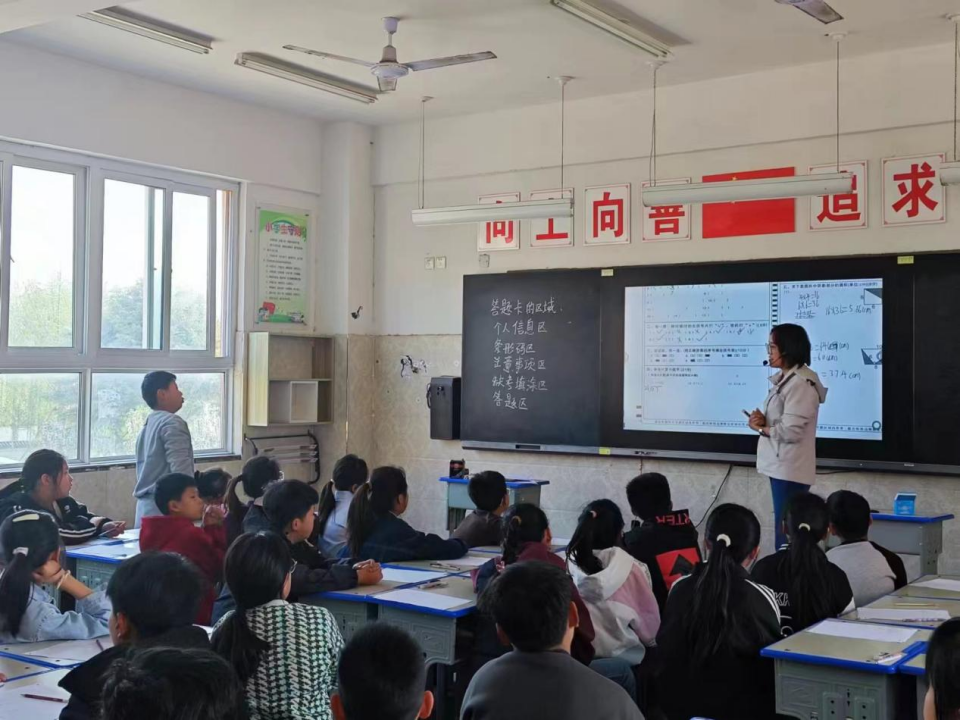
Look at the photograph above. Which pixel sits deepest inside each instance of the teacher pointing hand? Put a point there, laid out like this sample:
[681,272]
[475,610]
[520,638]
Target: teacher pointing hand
[787,450]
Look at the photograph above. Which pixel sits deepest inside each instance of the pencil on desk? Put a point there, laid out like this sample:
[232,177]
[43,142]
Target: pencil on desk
[44,697]
[100,645]
[914,605]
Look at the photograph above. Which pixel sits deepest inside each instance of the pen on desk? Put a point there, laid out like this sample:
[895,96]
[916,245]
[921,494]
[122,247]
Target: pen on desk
[434,584]
[44,697]
[100,645]
[441,566]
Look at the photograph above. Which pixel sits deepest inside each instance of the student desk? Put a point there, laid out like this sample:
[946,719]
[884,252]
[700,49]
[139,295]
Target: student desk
[15,669]
[557,545]
[459,502]
[21,652]
[93,564]
[471,561]
[911,535]
[914,590]
[917,667]
[821,676]
[906,605]
[15,705]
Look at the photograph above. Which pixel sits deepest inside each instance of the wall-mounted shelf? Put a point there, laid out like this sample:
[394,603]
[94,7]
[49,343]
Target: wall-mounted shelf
[289,380]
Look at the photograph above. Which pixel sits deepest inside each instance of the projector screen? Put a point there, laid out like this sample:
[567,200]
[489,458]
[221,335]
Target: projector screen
[693,354]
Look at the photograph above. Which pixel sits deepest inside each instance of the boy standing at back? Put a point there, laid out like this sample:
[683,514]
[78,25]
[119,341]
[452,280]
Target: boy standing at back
[488,491]
[873,571]
[163,445]
[175,531]
[665,539]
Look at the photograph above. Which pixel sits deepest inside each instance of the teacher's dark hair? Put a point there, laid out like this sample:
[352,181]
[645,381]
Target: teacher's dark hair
[943,669]
[793,343]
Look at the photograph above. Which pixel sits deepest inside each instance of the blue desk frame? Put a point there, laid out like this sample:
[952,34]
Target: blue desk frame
[911,535]
[459,502]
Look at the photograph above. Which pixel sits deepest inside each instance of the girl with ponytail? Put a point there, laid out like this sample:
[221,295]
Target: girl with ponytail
[284,653]
[616,588]
[527,537]
[376,532]
[714,625]
[349,474]
[30,547]
[809,587]
[258,474]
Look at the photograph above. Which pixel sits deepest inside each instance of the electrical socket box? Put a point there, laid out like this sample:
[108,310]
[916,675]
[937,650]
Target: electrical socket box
[428,263]
[441,262]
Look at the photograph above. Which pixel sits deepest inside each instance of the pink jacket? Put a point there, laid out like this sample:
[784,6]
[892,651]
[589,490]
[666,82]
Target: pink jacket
[620,597]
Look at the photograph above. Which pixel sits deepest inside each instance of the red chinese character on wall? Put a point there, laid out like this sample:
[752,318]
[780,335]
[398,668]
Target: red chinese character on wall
[608,215]
[666,219]
[551,234]
[841,208]
[498,234]
[912,191]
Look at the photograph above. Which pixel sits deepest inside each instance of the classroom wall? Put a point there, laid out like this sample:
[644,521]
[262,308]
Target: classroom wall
[893,104]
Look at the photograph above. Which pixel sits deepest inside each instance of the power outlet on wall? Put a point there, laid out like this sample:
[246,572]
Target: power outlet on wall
[438,262]
[428,263]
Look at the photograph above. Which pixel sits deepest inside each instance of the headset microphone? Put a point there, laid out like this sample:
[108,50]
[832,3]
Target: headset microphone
[766,363]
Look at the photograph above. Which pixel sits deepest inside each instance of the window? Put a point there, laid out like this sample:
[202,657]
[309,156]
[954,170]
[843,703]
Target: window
[109,271]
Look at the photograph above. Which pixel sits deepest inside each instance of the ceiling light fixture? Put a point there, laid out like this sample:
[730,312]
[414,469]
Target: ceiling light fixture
[122,20]
[494,212]
[736,190]
[303,76]
[614,26]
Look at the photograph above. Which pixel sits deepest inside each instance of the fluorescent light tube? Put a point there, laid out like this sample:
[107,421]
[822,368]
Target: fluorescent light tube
[950,173]
[122,20]
[494,212]
[304,76]
[766,189]
[614,26]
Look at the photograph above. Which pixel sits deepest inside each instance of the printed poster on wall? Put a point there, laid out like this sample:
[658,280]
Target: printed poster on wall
[847,211]
[607,216]
[912,193]
[665,222]
[551,232]
[502,234]
[283,272]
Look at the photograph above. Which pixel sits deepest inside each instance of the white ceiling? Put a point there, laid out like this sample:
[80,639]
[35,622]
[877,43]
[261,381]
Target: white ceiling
[532,39]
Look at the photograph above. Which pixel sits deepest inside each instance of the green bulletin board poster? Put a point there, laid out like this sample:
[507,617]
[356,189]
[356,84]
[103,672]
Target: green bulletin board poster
[283,271]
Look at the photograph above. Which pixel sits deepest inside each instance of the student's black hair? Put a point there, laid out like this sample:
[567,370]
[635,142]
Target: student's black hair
[807,564]
[257,474]
[153,382]
[530,601]
[719,619]
[172,684]
[38,463]
[349,472]
[212,483]
[600,526]
[156,592]
[172,487]
[372,501]
[793,343]
[649,495]
[521,523]
[381,675]
[27,539]
[849,514]
[487,490]
[287,501]
[943,669]
[255,570]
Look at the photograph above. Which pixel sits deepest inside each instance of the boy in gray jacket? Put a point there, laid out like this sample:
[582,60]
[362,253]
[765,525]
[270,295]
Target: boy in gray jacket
[164,445]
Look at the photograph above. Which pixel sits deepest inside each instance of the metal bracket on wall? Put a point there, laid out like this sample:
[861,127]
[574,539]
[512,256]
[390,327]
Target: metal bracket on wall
[303,449]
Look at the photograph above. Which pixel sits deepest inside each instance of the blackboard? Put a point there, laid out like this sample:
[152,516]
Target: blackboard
[531,357]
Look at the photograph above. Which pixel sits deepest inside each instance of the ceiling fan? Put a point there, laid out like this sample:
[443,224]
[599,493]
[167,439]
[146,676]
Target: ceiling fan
[815,8]
[389,70]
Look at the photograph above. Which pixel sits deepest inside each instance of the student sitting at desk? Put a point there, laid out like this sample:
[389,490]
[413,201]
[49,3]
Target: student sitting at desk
[376,532]
[809,588]
[942,701]
[285,653]
[714,626]
[258,474]
[532,606]
[31,548]
[873,571]
[175,531]
[349,474]
[172,684]
[527,537]
[212,486]
[615,586]
[665,540]
[44,486]
[488,491]
[381,676]
[155,598]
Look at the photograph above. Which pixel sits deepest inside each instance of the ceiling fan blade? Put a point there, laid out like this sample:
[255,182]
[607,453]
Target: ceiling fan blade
[818,9]
[448,61]
[387,84]
[329,56]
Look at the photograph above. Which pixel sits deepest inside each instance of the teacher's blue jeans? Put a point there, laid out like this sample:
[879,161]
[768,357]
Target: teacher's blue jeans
[783,491]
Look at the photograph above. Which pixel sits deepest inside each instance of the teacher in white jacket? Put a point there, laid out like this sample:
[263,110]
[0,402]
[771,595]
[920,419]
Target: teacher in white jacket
[787,450]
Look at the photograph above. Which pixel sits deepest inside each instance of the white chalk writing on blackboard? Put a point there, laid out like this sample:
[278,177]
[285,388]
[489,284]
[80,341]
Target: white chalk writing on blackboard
[515,368]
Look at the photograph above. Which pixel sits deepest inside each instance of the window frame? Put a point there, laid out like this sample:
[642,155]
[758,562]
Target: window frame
[86,356]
